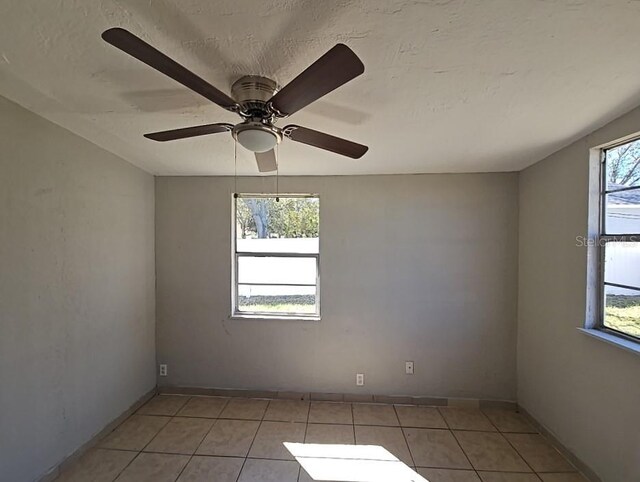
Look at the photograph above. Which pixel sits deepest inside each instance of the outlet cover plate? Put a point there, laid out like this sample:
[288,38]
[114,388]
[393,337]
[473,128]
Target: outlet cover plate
[408,367]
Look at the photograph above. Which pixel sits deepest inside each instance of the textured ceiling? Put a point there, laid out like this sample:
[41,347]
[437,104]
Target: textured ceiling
[449,85]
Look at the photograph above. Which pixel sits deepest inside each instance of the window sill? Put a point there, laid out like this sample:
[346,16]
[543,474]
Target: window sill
[629,345]
[274,317]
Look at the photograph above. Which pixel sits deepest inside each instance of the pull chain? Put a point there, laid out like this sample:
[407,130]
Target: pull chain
[235,168]
[277,174]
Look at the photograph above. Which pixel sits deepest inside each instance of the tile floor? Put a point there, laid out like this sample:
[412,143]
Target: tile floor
[214,439]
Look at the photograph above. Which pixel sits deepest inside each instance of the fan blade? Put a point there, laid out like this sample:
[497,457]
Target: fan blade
[325,141]
[138,48]
[266,161]
[187,132]
[335,68]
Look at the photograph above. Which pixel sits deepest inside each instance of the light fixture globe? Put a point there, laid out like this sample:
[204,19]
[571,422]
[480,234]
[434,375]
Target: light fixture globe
[256,136]
[257,140]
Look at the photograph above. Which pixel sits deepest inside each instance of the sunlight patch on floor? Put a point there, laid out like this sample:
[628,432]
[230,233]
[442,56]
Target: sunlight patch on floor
[351,463]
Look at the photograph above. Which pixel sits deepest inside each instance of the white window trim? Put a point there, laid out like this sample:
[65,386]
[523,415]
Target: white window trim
[238,315]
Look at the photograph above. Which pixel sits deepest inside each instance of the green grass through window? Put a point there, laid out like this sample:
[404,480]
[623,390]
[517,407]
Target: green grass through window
[622,313]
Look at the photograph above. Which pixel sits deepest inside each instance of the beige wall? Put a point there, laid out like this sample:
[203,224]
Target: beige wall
[583,390]
[420,268]
[76,291]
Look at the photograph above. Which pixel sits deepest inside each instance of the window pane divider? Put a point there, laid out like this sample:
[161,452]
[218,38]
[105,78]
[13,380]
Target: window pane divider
[263,254]
[276,315]
[249,283]
[620,238]
[618,285]
[263,195]
[622,189]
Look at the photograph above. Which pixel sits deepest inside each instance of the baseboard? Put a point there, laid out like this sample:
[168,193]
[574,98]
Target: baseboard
[57,469]
[575,460]
[340,397]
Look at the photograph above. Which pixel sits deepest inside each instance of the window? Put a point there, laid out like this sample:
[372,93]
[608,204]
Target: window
[276,258]
[620,240]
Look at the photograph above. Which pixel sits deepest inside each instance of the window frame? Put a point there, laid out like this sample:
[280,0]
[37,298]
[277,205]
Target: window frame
[604,239]
[235,312]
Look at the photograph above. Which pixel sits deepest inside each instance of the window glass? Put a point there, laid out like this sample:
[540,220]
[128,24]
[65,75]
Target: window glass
[280,270]
[277,299]
[622,263]
[623,212]
[623,166]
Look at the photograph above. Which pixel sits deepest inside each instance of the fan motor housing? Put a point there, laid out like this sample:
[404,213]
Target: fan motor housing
[252,93]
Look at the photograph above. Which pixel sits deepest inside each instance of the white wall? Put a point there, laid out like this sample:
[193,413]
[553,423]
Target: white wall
[76,291]
[584,391]
[420,268]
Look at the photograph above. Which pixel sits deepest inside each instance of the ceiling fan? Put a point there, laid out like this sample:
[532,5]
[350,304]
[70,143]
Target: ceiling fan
[258,100]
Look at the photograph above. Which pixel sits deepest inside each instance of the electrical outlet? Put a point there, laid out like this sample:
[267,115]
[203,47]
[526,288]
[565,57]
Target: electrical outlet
[359,379]
[408,367]
[163,370]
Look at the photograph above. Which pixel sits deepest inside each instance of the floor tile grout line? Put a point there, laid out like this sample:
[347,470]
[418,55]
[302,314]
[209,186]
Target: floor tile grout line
[215,421]
[548,442]
[491,424]
[224,405]
[201,416]
[103,439]
[490,421]
[390,461]
[199,455]
[171,417]
[304,440]
[515,450]
[508,441]
[532,429]
[428,427]
[458,469]
[521,456]
[114,449]
[308,414]
[139,451]
[353,425]
[183,468]
[334,458]
[122,423]
[459,445]
[386,461]
[126,466]
[156,434]
[404,436]
[498,431]
[253,440]
[194,451]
